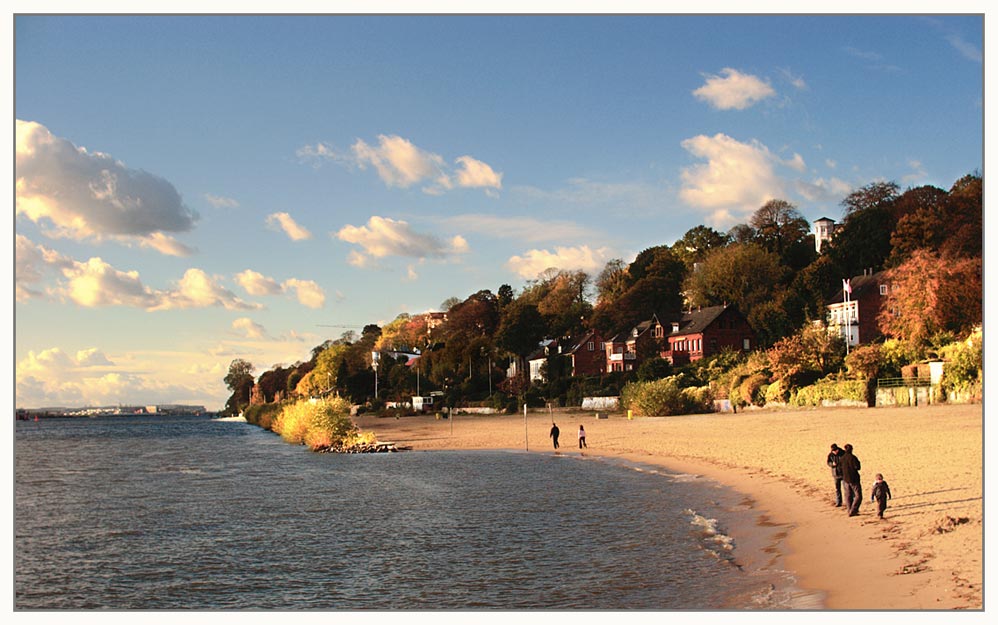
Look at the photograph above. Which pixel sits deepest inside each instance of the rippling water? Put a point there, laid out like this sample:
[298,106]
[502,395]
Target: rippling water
[172,513]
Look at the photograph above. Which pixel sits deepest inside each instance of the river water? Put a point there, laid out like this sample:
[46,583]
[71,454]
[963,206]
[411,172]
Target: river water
[192,513]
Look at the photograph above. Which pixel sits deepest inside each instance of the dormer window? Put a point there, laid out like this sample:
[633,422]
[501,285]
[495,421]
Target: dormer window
[675,327]
[634,332]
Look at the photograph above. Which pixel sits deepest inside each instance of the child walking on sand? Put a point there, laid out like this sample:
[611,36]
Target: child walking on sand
[881,493]
[582,437]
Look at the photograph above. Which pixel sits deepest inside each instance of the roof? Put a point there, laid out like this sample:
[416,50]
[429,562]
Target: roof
[860,284]
[696,321]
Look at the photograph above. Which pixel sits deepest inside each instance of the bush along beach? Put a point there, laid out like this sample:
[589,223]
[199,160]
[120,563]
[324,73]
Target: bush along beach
[324,425]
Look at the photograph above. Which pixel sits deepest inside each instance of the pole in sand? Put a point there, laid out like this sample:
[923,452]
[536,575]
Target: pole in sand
[526,446]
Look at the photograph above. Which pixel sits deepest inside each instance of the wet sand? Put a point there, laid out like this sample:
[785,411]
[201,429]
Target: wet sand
[925,554]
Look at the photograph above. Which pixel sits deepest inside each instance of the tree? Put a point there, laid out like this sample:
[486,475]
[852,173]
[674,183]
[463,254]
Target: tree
[654,286]
[239,380]
[930,294]
[863,241]
[806,356]
[694,246]
[612,281]
[520,331]
[781,229]
[562,298]
[743,274]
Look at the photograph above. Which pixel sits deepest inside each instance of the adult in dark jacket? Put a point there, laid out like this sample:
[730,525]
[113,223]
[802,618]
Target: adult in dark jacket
[850,480]
[833,464]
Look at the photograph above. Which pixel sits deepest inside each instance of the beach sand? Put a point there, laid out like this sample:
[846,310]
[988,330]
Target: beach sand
[925,554]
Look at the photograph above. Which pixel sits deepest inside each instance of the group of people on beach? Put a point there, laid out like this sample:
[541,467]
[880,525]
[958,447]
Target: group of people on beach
[555,433]
[845,468]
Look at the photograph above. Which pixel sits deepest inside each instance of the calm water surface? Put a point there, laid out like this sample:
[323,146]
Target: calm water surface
[178,513]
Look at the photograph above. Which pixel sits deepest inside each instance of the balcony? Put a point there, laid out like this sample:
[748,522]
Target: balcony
[618,357]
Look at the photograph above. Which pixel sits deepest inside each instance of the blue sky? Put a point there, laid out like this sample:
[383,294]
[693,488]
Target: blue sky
[190,190]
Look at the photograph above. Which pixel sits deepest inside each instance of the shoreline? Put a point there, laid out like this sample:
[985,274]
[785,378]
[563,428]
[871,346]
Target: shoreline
[926,554]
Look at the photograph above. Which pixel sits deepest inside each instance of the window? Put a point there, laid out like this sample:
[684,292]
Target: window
[746,344]
[590,346]
[883,289]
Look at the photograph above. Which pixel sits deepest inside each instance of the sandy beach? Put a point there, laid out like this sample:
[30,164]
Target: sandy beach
[925,554]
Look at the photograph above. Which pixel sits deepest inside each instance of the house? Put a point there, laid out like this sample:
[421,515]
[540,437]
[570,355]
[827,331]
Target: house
[852,313]
[540,356]
[824,228]
[627,350]
[704,332]
[587,354]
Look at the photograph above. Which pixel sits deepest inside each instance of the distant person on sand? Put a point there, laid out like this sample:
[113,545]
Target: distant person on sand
[881,493]
[833,463]
[582,437]
[850,479]
[554,433]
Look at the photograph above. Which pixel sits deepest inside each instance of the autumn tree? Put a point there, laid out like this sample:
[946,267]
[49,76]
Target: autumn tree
[612,281]
[930,294]
[562,299]
[653,286]
[806,356]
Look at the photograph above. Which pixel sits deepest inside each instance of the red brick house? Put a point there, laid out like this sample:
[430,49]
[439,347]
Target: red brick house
[587,354]
[627,350]
[704,332]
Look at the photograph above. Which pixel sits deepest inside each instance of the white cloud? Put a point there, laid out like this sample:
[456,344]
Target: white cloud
[400,163]
[969,51]
[917,173]
[737,179]
[257,284]
[797,81]
[88,195]
[796,163]
[249,328]
[290,227]
[196,289]
[475,173]
[308,292]
[534,262]
[95,283]
[32,262]
[734,90]
[383,236]
[219,201]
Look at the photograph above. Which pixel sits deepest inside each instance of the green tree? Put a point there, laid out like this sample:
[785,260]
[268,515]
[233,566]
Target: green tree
[698,241]
[781,229]
[520,331]
[239,380]
[863,241]
[743,274]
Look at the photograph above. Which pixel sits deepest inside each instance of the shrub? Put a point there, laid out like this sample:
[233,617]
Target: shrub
[777,392]
[753,390]
[830,389]
[318,424]
[666,397]
[262,415]
[964,363]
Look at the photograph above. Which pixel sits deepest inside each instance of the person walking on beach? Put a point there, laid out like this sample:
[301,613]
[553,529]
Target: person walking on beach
[833,463]
[881,493]
[554,433]
[850,480]
[582,437]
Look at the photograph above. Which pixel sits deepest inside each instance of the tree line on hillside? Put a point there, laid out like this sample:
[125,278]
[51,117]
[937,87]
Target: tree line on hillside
[928,240]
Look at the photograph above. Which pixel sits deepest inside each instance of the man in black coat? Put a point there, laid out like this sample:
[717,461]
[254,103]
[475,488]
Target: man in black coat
[833,463]
[850,480]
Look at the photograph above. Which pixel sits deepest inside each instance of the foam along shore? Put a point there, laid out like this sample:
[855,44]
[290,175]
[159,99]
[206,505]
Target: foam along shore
[925,554]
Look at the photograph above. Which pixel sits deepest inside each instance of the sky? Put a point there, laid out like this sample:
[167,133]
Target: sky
[194,189]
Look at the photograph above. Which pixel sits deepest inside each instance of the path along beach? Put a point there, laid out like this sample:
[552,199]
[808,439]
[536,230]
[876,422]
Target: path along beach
[926,554]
